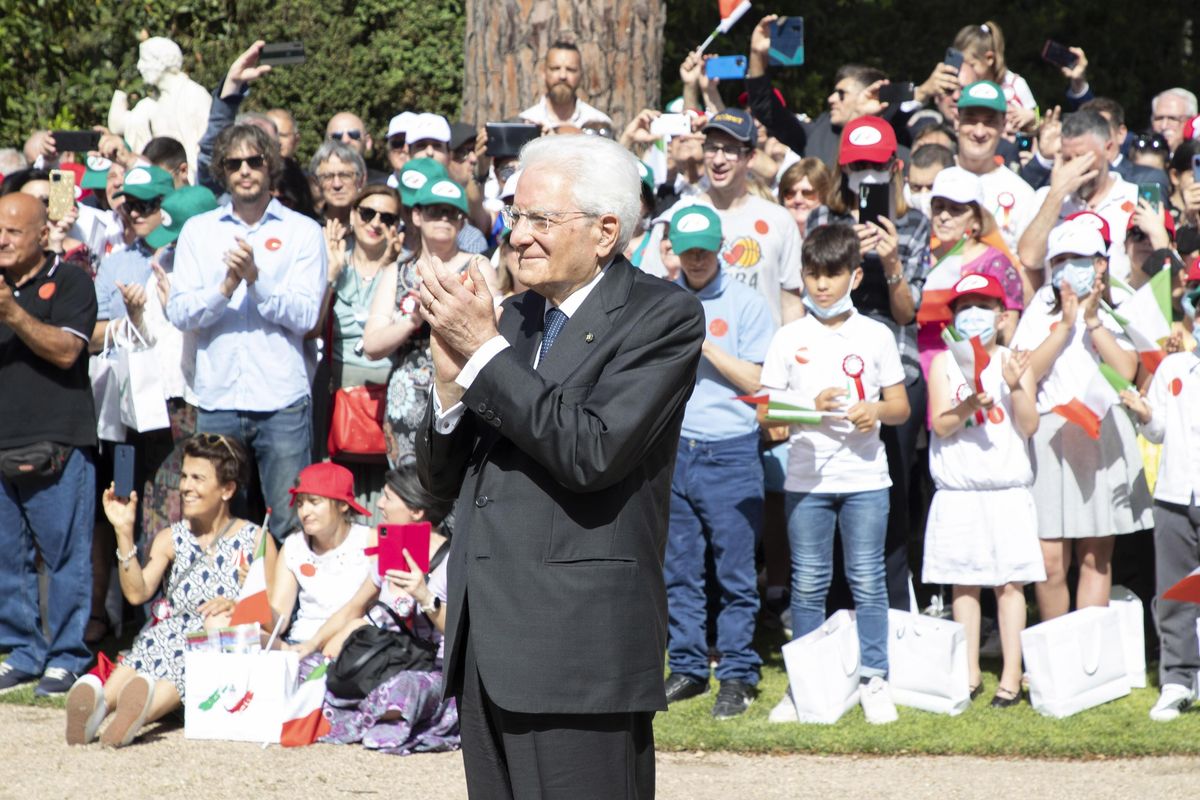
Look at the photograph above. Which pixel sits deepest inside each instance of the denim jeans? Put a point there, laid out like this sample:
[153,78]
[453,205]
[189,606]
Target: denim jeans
[717,499]
[281,443]
[862,517]
[55,517]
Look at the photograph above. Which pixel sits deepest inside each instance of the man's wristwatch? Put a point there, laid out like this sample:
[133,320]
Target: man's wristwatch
[433,607]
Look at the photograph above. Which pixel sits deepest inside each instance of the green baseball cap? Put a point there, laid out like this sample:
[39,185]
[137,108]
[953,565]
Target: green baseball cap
[441,192]
[983,94]
[96,176]
[695,227]
[416,174]
[147,183]
[178,207]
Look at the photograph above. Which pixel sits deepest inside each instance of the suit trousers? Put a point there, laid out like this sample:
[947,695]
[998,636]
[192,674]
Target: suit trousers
[509,755]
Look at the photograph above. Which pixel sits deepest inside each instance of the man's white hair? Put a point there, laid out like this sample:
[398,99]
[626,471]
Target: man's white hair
[1187,97]
[603,176]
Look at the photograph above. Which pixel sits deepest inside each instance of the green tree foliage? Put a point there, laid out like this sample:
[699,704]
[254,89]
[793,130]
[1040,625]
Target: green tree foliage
[61,59]
[1134,51]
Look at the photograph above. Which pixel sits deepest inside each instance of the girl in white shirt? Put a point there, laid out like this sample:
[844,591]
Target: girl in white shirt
[982,525]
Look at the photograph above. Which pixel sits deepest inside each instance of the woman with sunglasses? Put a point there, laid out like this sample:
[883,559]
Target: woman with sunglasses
[395,327]
[196,564]
[358,258]
[802,188]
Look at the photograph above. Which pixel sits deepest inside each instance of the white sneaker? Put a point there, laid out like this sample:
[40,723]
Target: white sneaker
[1173,700]
[876,700]
[86,709]
[784,710]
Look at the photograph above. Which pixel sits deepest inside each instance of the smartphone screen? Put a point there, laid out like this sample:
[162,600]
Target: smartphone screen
[505,139]
[1058,54]
[874,202]
[123,470]
[1196,167]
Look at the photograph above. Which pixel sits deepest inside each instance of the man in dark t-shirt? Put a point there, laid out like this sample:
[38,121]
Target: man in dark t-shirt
[47,422]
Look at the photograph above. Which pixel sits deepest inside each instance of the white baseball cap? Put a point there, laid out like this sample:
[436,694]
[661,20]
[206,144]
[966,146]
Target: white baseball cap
[958,186]
[510,186]
[1075,237]
[400,123]
[428,126]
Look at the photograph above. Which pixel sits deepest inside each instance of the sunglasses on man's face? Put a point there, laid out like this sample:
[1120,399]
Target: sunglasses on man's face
[368,215]
[354,134]
[143,208]
[235,164]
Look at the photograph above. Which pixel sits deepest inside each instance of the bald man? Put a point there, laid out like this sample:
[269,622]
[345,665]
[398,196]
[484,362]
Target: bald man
[285,125]
[47,430]
[349,129]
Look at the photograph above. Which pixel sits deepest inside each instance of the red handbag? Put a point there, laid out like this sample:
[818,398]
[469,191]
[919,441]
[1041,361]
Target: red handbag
[357,426]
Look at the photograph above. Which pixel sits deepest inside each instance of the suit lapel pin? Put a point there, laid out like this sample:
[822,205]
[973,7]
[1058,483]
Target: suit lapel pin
[588,337]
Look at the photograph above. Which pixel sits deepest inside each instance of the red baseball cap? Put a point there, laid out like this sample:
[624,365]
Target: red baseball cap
[327,479]
[1191,129]
[867,139]
[1193,272]
[1168,222]
[1096,221]
[976,284]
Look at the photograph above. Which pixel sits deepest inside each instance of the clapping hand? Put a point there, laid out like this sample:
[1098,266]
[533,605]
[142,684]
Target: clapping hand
[1015,365]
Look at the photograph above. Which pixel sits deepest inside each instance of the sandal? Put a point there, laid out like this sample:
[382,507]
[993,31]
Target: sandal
[976,690]
[1005,698]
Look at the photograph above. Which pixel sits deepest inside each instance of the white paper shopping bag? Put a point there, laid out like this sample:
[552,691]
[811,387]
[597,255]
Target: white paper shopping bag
[143,404]
[927,663]
[1076,661]
[1133,633]
[822,668]
[238,697]
[106,395]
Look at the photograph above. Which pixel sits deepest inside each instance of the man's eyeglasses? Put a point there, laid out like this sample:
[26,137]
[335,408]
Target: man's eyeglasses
[732,153]
[353,134]
[441,213]
[328,178]
[143,208]
[539,221]
[235,164]
[368,215]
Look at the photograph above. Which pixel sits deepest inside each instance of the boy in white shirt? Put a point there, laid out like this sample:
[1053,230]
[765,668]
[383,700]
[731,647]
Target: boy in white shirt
[837,470]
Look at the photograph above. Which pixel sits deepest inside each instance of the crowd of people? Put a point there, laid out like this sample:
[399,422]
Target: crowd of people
[281,298]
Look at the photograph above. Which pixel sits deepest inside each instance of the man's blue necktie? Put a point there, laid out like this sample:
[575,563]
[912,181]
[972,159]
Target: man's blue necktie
[555,320]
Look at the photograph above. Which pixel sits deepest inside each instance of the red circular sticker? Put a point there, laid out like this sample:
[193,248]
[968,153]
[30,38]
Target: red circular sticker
[1176,386]
[718,327]
[308,570]
[1128,207]
[47,290]
[762,227]
[801,355]
[996,414]
[273,244]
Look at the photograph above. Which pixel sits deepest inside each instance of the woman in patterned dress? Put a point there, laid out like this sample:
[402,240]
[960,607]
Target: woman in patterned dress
[202,554]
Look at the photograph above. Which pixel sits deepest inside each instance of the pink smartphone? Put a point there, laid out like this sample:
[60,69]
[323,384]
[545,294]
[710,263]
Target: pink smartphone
[395,539]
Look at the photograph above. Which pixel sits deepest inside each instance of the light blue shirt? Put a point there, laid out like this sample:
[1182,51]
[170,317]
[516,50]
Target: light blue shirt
[739,321]
[130,267]
[249,347]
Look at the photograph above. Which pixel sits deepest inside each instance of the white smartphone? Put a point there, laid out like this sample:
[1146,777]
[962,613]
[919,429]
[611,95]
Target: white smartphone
[671,125]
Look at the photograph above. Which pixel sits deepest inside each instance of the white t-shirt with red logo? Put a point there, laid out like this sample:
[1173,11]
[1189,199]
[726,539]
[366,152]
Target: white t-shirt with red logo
[1011,201]
[805,358]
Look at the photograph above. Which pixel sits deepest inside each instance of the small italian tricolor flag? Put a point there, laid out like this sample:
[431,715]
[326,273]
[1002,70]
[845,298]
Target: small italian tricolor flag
[787,407]
[1146,319]
[303,721]
[970,356]
[1101,393]
[252,604]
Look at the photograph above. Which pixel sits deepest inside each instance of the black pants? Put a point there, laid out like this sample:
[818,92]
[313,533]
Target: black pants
[513,756]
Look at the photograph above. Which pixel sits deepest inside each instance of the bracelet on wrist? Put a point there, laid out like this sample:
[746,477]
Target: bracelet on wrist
[124,560]
[893,280]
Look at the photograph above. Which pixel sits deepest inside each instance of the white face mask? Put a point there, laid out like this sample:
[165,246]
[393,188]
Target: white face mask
[861,176]
[974,321]
[843,305]
[1079,273]
[922,201]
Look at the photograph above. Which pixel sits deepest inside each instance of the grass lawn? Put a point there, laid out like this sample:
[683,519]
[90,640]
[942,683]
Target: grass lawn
[1118,729]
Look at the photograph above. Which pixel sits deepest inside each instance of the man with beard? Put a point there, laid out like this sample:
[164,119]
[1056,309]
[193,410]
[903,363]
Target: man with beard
[1080,181]
[248,281]
[562,71]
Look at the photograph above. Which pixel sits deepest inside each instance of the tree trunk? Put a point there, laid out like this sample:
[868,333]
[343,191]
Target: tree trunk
[620,42]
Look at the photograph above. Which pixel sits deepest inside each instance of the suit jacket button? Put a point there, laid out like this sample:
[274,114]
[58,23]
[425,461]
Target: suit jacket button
[489,414]
[496,422]
[481,501]
[482,407]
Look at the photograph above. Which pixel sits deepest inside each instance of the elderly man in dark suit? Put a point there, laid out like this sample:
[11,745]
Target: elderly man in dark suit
[557,431]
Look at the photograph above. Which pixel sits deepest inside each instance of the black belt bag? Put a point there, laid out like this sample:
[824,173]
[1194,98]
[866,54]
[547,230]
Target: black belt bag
[37,460]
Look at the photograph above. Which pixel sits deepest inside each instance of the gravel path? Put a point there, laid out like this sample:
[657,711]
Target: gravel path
[164,765]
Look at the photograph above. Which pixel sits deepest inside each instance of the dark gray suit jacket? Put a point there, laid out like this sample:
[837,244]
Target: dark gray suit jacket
[563,480]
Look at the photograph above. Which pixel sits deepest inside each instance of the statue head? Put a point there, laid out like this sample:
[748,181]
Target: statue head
[158,56]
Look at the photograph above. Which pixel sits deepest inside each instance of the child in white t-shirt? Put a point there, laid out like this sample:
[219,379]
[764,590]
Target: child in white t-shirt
[982,525]
[837,472]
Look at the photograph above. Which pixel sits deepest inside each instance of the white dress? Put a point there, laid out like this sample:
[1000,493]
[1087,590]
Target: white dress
[982,526]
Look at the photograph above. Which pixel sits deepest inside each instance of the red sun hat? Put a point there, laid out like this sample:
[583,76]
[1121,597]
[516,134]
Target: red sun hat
[867,139]
[980,285]
[327,480]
